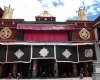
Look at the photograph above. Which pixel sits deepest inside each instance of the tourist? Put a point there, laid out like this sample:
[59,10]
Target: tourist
[81,73]
[43,74]
[70,75]
[19,76]
[9,76]
[29,73]
[64,75]
[49,75]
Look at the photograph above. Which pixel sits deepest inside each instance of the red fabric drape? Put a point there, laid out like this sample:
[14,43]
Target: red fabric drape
[45,36]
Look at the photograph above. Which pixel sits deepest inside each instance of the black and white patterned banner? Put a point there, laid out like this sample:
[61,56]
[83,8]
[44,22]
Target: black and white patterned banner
[19,53]
[66,54]
[86,53]
[43,52]
[3,49]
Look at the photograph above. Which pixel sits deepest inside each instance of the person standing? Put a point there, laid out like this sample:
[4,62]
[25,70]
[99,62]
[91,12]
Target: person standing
[81,73]
[43,74]
[19,76]
[29,73]
[9,76]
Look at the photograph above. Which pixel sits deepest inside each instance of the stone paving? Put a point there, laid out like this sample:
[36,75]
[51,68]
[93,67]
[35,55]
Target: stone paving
[85,78]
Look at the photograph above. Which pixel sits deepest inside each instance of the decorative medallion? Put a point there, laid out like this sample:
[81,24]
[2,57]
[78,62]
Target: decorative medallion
[5,33]
[19,53]
[88,52]
[44,52]
[66,53]
[84,34]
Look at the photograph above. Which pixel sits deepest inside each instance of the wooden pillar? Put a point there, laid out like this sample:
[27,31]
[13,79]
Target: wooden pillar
[75,69]
[85,69]
[14,71]
[55,69]
[34,72]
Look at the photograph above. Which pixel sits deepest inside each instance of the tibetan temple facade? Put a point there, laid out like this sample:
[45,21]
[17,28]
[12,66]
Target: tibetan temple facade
[46,45]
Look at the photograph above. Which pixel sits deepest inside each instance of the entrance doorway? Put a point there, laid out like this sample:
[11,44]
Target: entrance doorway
[5,69]
[87,68]
[64,68]
[45,65]
[23,69]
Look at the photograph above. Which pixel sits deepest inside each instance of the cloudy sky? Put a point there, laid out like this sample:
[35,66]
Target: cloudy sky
[62,9]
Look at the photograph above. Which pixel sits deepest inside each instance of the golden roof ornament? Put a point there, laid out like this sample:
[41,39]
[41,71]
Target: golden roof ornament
[82,14]
[8,11]
[45,13]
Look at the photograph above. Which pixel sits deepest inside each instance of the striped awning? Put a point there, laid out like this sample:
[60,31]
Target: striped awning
[46,27]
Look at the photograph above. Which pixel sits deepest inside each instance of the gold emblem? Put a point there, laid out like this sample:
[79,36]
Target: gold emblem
[84,34]
[5,33]
[45,19]
[75,24]
[2,23]
[13,22]
[45,13]
[39,18]
[84,24]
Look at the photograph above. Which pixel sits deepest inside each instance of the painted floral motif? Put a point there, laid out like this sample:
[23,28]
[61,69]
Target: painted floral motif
[44,52]
[19,53]
[88,52]
[66,53]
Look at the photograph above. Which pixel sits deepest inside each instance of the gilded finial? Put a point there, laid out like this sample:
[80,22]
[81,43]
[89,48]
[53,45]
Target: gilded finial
[45,13]
[82,14]
[8,11]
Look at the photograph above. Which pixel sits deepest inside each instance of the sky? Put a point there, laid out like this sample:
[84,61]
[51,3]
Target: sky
[61,9]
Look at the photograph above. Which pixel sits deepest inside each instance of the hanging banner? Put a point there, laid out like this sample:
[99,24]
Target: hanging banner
[3,53]
[66,54]
[43,52]
[19,53]
[86,53]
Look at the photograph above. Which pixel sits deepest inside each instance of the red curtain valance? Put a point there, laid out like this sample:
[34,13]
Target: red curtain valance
[45,36]
[33,27]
